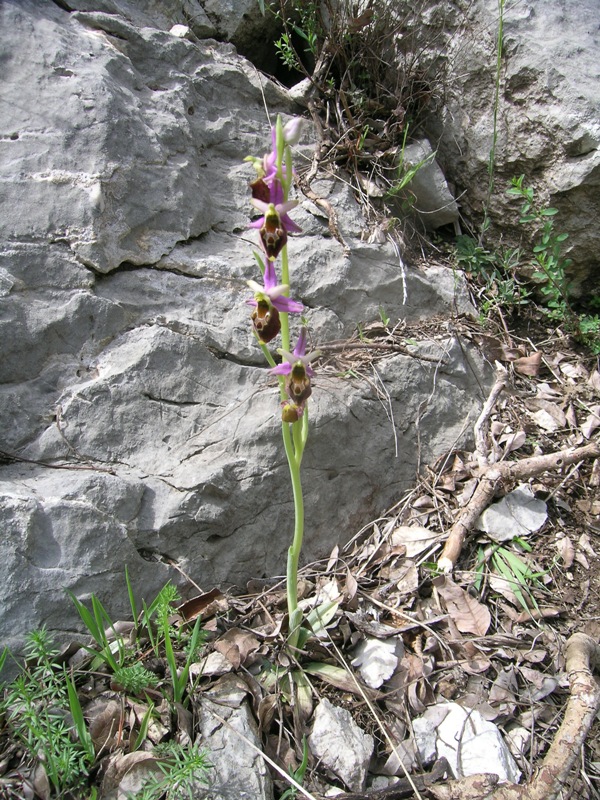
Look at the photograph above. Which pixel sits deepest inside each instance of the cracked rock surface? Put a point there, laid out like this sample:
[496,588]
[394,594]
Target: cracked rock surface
[132,393]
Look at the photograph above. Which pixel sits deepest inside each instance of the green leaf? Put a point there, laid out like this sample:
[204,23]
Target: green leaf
[131,596]
[548,212]
[318,618]
[79,720]
[145,723]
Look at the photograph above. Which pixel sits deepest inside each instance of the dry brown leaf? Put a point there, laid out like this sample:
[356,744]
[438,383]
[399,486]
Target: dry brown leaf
[548,612]
[332,559]
[502,695]
[405,576]
[566,551]
[547,415]
[203,605]
[104,722]
[236,645]
[585,543]
[529,365]
[591,422]
[594,380]
[414,538]
[512,441]
[351,586]
[41,784]
[574,371]
[469,615]
[544,391]
[124,771]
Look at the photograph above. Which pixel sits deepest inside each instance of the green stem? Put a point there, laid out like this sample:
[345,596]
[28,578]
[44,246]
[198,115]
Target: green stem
[294,456]
[285,278]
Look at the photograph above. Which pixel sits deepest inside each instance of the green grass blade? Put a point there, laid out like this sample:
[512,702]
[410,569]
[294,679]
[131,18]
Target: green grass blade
[131,596]
[79,720]
[141,737]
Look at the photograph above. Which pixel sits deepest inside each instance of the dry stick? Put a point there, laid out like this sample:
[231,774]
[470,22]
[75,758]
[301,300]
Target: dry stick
[492,477]
[497,389]
[582,655]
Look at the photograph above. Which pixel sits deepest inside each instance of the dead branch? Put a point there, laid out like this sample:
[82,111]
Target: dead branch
[492,478]
[497,389]
[582,655]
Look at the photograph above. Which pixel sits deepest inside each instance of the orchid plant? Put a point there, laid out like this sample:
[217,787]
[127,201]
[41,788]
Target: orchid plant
[272,306]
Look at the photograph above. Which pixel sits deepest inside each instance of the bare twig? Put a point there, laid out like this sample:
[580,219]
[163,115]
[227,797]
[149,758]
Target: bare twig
[493,477]
[497,389]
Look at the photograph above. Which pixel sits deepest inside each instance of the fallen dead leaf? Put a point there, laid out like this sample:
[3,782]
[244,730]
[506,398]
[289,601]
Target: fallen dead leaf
[203,605]
[104,716]
[591,422]
[236,645]
[127,772]
[469,615]
[529,365]
[512,441]
[415,538]
[566,550]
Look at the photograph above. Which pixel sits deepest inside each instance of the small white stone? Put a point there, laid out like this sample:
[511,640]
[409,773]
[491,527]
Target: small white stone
[181,31]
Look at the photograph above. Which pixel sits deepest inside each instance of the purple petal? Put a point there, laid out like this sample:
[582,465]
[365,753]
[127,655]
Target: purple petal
[289,224]
[260,205]
[276,191]
[257,223]
[281,369]
[270,278]
[284,303]
[300,349]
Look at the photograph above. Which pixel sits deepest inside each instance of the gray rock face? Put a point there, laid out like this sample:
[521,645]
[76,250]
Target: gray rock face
[548,114]
[131,387]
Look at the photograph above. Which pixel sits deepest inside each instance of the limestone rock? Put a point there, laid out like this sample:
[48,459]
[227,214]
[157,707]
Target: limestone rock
[432,199]
[131,388]
[340,745]
[548,115]
[236,768]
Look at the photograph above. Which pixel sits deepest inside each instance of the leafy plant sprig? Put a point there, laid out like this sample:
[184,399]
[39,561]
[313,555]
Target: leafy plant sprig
[181,768]
[551,267]
[43,711]
[495,271]
[97,621]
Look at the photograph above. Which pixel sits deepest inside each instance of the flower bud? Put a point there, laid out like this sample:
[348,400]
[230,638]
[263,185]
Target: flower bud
[266,322]
[292,130]
[290,412]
